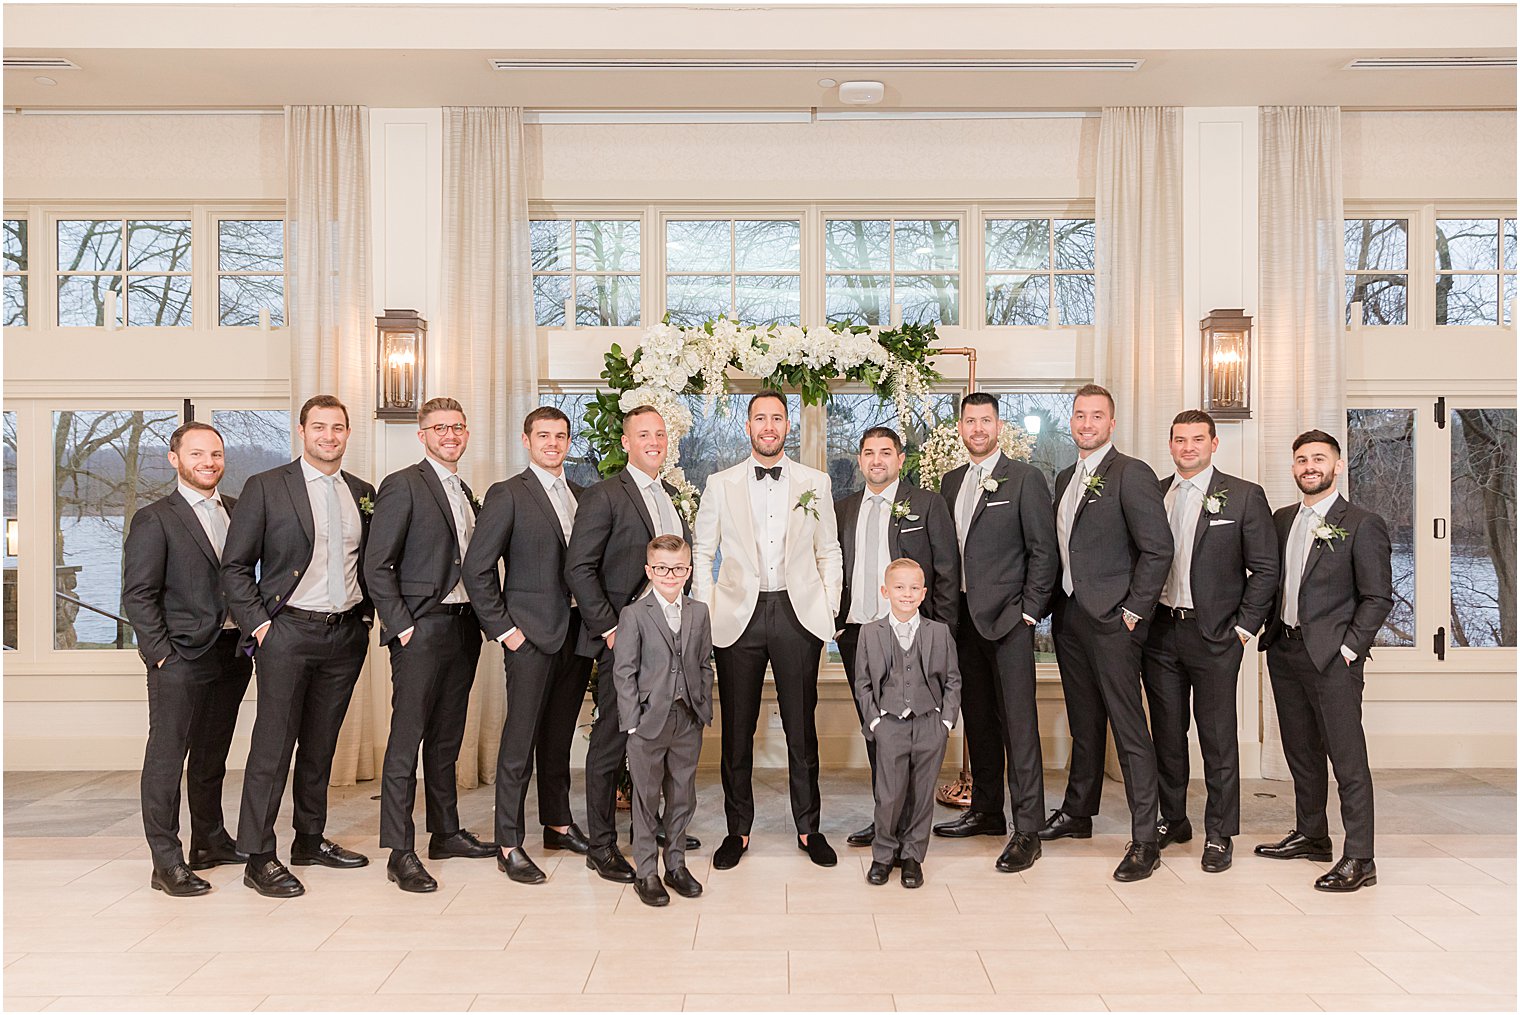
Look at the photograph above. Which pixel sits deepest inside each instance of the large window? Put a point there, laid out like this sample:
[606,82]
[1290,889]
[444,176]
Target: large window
[596,260]
[871,264]
[1475,271]
[1377,270]
[1380,464]
[746,269]
[250,272]
[1482,527]
[145,263]
[255,440]
[1040,271]
[17,274]
[850,415]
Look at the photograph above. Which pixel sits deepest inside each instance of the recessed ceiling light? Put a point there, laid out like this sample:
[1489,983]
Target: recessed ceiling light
[827,82]
[45,81]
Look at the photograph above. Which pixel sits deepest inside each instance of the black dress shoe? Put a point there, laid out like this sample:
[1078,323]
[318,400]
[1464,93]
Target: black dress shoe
[272,879]
[215,856]
[409,874]
[1061,825]
[519,868]
[973,823]
[651,892]
[1022,851]
[609,864]
[1295,846]
[1218,854]
[325,853]
[1347,876]
[572,838]
[729,852]
[178,881]
[818,849]
[684,884]
[912,873]
[692,842]
[1139,863]
[1169,831]
[879,872]
[462,843]
[864,837]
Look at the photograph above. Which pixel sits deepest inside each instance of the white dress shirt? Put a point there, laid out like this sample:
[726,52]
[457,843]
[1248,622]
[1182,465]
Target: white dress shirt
[866,602]
[464,520]
[311,592]
[1301,537]
[769,508]
[662,513]
[1185,496]
[218,539]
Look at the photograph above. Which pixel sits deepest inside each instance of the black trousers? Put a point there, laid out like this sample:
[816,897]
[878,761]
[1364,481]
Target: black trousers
[1000,719]
[604,757]
[192,711]
[847,641]
[431,677]
[1100,678]
[544,695]
[1179,664]
[306,674]
[777,637]
[1320,715]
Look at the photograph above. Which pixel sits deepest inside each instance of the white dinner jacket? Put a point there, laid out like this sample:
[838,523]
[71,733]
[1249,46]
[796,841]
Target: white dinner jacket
[813,566]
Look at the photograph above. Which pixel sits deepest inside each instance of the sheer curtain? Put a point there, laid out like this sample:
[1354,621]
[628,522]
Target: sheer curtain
[331,326]
[488,353]
[1300,330]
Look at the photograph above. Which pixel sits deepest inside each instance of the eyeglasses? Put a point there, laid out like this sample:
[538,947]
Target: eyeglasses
[457,429]
[670,570]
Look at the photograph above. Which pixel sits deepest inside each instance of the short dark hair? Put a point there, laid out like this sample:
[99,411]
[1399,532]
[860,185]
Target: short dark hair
[179,435]
[882,431]
[1317,437]
[979,398]
[765,393]
[1093,391]
[1187,416]
[441,404]
[323,402]
[640,410]
[667,543]
[544,412]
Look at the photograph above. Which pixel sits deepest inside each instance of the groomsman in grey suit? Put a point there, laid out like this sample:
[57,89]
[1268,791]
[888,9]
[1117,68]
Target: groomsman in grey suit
[1216,597]
[1116,551]
[1337,589]
[664,676]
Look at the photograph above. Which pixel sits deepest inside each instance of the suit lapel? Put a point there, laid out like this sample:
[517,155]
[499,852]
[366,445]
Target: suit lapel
[181,509]
[631,488]
[435,487]
[656,609]
[295,485]
[794,490]
[904,496]
[540,496]
[1102,470]
[950,485]
[688,632]
[742,510]
[999,474]
[849,520]
[1318,547]
[1215,485]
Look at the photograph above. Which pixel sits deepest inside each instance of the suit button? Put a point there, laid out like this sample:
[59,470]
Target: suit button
[277,599]
[456,560]
[296,573]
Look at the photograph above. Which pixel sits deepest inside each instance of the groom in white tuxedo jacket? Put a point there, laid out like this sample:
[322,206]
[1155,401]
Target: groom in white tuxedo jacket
[772,521]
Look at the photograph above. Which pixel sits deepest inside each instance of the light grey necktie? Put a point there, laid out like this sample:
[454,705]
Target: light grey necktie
[464,518]
[673,616]
[217,525]
[1177,518]
[1294,560]
[335,583]
[661,512]
[564,504]
[871,555]
[1067,519]
[968,503]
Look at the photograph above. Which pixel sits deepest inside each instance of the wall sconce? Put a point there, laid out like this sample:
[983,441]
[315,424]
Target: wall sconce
[400,337]
[12,538]
[1226,364]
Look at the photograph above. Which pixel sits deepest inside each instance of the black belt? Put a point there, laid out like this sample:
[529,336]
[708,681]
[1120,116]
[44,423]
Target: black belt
[1293,633]
[1176,612]
[455,609]
[323,618]
[777,594]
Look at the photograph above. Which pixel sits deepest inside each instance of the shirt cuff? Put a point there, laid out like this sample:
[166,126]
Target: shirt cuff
[1247,635]
[1030,620]
[408,631]
[262,627]
[1348,655]
[634,730]
[606,633]
[505,635]
[1132,615]
[876,721]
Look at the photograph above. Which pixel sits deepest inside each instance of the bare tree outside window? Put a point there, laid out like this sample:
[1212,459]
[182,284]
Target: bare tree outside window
[250,272]
[747,270]
[596,260]
[255,440]
[870,264]
[147,263]
[1475,264]
[1483,532]
[1377,270]
[1380,477]
[1040,271]
[17,274]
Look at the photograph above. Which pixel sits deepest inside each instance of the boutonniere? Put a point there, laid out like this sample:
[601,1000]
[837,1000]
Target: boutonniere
[474,502]
[1093,487]
[366,505]
[990,484]
[900,511]
[1329,534]
[806,503]
[1215,502]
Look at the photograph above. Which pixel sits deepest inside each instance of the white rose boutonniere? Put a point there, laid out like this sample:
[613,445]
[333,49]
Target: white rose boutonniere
[1093,487]
[900,511]
[1215,502]
[1329,534]
[807,503]
[990,485]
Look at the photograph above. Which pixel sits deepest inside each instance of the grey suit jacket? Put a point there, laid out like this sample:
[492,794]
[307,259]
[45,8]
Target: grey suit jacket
[644,664]
[873,661]
[1234,572]
[172,581]
[1121,544]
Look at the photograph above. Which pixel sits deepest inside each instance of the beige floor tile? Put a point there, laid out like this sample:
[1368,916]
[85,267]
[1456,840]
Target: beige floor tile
[1208,1002]
[1017,898]
[231,903]
[1387,899]
[367,1002]
[1328,933]
[1099,845]
[51,873]
[292,972]
[1409,845]
[673,928]
[477,870]
[1088,932]
[1413,1002]
[1083,870]
[170,1002]
[560,971]
[1259,972]
[786,931]
[361,892]
[860,897]
[834,972]
[13,1003]
[127,872]
[284,930]
[1475,899]
[906,931]
[697,972]
[1464,845]
[73,932]
[33,902]
[1398,870]
[84,847]
[1466,933]
[1209,898]
[10,957]
[1131,972]
[999,1002]
[577,1002]
[1448,972]
[480,932]
[1252,870]
[719,896]
[1501,868]
[503,896]
[789,1002]
[59,972]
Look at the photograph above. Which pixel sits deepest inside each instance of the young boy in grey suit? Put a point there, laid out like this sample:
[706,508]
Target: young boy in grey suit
[908,684]
[663,671]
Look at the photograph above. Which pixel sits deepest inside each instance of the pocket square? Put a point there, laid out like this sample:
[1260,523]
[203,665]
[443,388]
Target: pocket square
[1221,521]
[996,503]
[916,528]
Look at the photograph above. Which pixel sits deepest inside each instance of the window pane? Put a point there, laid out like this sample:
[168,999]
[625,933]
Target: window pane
[1467,299]
[768,245]
[1380,477]
[1509,244]
[82,300]
[855,244]
[1509,297]
[1377,244]
[607,246]
[607,300]
[9,486]
[717,441]
[158,301]
[1483,527]
[549,243]
[15,244]
[692,299]
[549,295]
[698,246]
[929,299]
[851,414]
[16,301]
[580,464]
[1467,244]
[1076,244]
[158,246]
[89,245]
[1047,415]
[255,440]
[1384,298]
[243,296]
[109,465]
[1018,299]
[859,299]
[251,245]
[1076,299]
[1018,243]
[931,245]
[769,299]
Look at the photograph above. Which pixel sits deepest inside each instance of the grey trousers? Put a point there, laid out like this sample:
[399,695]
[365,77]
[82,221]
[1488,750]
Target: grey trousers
[667,764]
[909,753]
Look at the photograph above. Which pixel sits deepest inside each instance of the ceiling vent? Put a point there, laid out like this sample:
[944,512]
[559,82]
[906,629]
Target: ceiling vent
[39,63]
[1433,63]
[1050,65]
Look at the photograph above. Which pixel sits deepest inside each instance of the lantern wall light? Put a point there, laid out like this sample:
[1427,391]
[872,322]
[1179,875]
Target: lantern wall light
[1227,364]
[400,350]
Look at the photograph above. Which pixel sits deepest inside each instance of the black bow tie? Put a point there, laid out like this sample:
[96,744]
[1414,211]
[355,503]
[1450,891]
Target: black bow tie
[774,472]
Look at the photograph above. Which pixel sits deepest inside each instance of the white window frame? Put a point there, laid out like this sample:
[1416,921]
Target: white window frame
[30,274]
[959,213]
[666,215]
[220,215]
[1069,212]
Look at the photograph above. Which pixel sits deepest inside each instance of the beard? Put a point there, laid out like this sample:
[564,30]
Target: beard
[195,482]
[761,446]
[1309,488]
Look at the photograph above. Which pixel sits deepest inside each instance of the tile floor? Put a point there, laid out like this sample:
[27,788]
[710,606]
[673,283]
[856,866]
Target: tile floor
[84,932]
